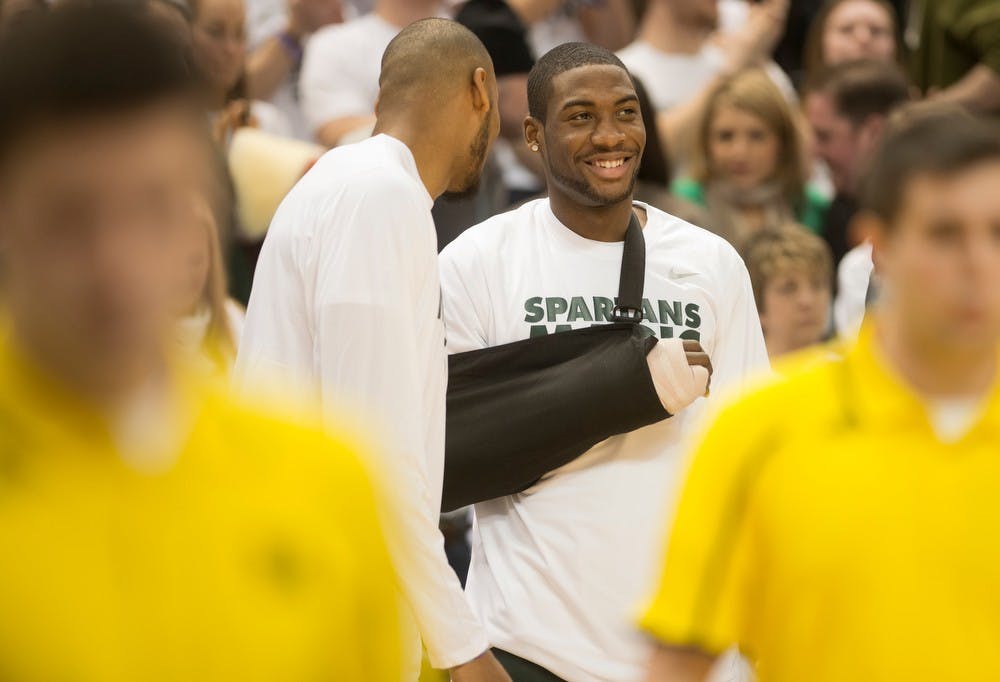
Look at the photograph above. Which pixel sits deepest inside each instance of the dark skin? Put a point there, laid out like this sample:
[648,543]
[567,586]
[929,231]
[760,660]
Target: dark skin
[591,143]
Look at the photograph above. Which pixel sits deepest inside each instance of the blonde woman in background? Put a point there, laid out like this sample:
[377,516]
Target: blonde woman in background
[210,323]
[749,169]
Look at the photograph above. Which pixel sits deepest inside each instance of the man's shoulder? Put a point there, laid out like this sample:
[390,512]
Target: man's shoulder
[678,234]
[362,170]
[490,235]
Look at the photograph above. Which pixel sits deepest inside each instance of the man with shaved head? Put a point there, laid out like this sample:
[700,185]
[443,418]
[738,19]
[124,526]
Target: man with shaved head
[558,569]
[346,298]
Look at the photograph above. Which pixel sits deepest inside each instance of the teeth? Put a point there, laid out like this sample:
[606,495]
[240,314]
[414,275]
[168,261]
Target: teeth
[610,164]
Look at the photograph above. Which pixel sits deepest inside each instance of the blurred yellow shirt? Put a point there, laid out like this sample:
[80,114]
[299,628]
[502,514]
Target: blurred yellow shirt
[255,556]
[827,530]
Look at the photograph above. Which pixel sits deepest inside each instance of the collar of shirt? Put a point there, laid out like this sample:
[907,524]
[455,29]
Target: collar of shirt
[405,157]
[874,394]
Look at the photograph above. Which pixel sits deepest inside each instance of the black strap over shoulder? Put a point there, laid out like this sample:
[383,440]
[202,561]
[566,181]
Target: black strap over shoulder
[633,274]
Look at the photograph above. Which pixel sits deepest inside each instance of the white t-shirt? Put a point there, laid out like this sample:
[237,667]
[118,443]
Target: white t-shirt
[559,570]
[673,79]
[854,275]
[346,298]
[341,67]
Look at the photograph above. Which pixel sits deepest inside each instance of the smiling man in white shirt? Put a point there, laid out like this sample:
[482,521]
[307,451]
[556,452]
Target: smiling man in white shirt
[558,570]
[346,298]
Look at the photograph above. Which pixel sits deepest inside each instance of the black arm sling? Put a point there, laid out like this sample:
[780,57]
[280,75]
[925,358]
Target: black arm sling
[520,410]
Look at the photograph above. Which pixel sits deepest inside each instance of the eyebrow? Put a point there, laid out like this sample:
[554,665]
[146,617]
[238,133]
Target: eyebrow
[589,103]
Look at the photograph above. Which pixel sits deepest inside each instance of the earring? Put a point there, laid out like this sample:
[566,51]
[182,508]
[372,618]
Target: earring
[534,147]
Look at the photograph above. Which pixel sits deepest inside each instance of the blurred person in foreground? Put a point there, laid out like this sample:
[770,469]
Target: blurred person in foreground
[792,274]
[557,569]
[347,299]
[840,522]
[151,527]
[847,107]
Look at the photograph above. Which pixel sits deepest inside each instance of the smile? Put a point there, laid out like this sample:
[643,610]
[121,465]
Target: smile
[610,168]
[609,164]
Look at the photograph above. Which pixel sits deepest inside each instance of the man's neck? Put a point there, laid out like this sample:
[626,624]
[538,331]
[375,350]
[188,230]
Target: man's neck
[402,13]
[596,223]
[934,370]
[429,152]
[661,30]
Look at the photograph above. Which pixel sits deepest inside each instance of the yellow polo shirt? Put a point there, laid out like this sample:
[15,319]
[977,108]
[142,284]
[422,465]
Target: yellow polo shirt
[826,530]
[256,556]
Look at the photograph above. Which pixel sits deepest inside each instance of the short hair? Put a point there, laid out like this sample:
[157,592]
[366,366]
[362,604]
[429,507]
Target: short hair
[558,60]
[427,58]
[773,252]
[862,89]
[83,59]
[925,139]
[753,91]
[812,57]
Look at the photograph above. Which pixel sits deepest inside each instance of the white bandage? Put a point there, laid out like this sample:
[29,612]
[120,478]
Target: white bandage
[677,383]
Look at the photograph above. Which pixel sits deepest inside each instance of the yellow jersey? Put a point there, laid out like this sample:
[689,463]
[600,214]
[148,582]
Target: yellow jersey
[255,556]
[826,530]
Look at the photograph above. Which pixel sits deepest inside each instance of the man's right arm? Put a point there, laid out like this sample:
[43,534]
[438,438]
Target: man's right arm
[670,664]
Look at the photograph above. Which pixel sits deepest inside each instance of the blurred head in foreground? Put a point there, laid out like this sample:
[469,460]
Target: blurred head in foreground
[102,143]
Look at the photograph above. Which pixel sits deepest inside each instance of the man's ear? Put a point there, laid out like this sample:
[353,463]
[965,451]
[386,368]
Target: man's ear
[533,135]
[480,90]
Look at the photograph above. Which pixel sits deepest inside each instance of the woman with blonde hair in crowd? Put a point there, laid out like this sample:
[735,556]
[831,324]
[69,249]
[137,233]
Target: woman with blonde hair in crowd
[210,322]
[851,30]
[748,168]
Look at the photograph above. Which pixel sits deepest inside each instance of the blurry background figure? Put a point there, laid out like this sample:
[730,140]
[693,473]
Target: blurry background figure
[847,107]
[852,30]
[339,81]
[152,527]
[608,23]
[681,57]
[277,31]
[210,321]
[748,167]
[791,272]
[11,11]
[655,172]
[219,42]
[956,51]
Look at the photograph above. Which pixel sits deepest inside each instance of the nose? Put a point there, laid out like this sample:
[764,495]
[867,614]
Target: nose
[607,134]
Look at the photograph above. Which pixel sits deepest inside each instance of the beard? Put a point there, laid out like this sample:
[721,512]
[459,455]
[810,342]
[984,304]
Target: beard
[591,197]
[478,151]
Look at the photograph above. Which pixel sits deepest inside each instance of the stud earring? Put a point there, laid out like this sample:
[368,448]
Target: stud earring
[534,147]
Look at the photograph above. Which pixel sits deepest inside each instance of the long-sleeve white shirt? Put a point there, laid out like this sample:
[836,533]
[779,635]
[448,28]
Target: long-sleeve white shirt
[346,299]
[558,570]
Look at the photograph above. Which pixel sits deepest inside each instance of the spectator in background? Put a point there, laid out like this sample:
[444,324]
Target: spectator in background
[680,59]
[276,35]
[339,81]
[852,30]
[12,10]
[219,42]
[847,107]
[748,168]
[210,321]
[792,273]
[152,527]
[956,51]
[608,23]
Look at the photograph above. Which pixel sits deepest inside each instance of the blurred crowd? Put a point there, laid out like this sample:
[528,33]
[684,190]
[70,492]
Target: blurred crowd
[762,120]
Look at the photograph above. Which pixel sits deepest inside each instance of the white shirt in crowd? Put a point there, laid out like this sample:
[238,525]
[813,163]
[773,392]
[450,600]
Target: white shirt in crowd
[559,570]
[341,68]
[673,79]
[854,275]
[346,298]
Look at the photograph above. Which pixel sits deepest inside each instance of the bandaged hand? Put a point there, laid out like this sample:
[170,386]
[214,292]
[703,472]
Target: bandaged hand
[680,370]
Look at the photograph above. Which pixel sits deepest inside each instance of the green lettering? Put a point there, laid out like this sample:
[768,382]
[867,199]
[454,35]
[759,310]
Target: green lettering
[691,335]
[603,308]
[693,315]
[537,330]
[560,328]
[671,312]
[578,310]
[555,307]
[533,309]
[648,313]
[666,332]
